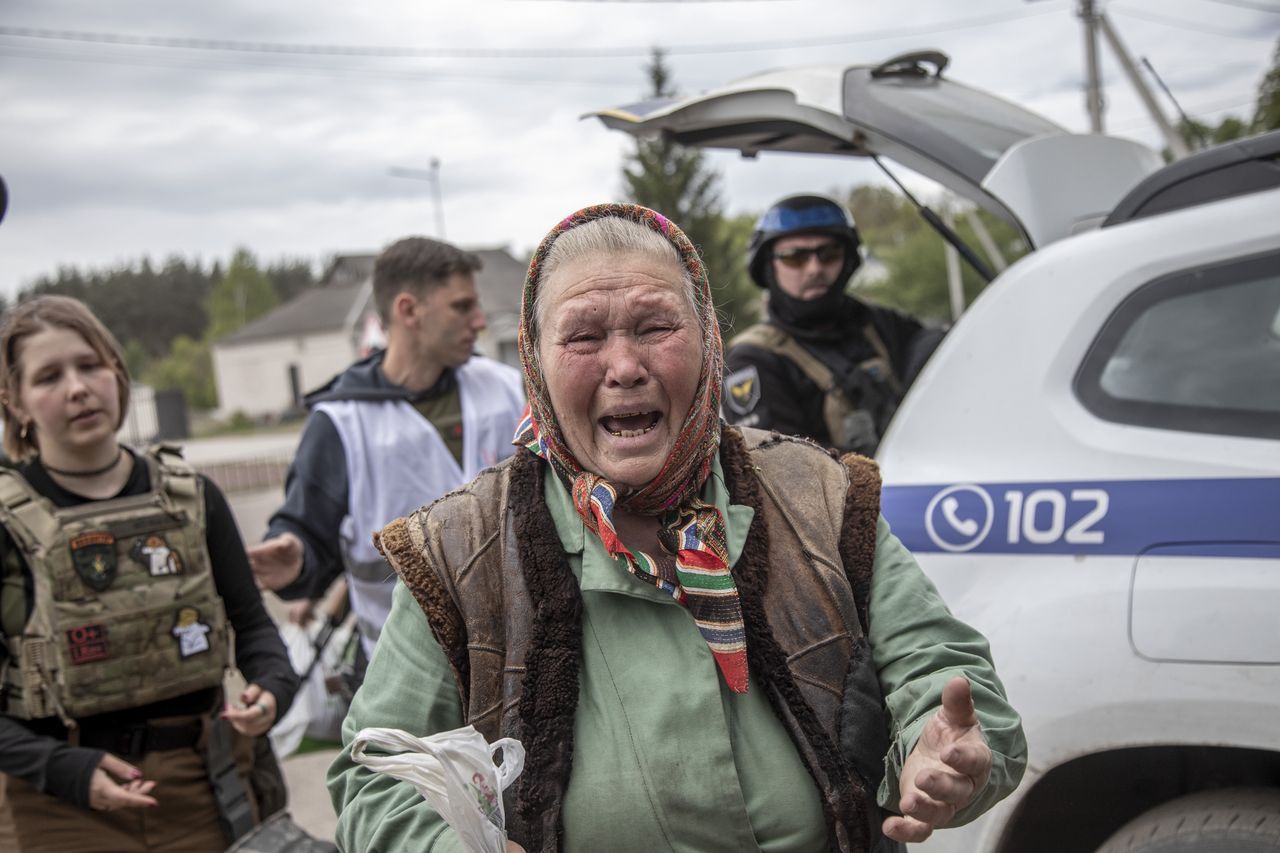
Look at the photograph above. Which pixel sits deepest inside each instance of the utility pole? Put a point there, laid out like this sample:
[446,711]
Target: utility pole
[955,284]
[984,238]
[1095,21]
[433,176]
[1171,137]
[1093,78]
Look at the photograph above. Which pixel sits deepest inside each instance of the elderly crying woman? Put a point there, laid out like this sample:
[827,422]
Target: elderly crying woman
[706,637]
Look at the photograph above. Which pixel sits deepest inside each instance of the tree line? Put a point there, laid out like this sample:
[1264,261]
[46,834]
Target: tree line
[1266,115]
[167,316]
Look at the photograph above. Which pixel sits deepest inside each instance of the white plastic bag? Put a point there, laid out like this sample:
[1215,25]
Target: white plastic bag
[315,711]
[455,772]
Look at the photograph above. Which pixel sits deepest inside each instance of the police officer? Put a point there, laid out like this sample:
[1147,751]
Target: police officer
[122,575]
[825,365]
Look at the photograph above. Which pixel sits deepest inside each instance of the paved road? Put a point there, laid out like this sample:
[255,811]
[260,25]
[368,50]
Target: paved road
[308,800]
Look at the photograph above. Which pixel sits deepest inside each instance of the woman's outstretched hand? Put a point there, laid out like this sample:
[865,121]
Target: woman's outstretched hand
[949,765]
[117,784]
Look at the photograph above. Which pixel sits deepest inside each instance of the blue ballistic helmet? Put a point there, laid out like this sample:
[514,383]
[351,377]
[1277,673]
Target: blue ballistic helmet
[801,214]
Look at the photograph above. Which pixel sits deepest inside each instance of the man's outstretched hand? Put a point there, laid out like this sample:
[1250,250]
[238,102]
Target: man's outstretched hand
[277,562]
[950,763]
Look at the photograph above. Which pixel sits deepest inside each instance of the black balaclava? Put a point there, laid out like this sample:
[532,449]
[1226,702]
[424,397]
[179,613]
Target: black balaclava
[828,316]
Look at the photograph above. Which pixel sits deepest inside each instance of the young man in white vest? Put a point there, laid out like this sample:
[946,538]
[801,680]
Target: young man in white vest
[391,433]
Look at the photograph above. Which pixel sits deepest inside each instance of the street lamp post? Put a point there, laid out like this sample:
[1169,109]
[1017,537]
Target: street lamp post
[431,175]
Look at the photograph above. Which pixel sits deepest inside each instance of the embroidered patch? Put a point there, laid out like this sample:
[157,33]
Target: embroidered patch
[742,390]
[93,555]
[87,644]
[192,634]
[154,553]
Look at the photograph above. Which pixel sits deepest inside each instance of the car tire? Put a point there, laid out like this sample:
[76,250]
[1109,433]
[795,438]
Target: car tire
[1231,820]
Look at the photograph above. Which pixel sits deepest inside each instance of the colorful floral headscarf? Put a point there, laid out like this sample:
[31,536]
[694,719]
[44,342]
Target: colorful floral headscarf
[704,584]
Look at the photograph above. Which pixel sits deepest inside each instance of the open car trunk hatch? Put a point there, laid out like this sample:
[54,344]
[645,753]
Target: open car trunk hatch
[906,111]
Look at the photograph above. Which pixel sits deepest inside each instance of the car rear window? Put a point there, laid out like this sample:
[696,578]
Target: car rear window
[1197,351]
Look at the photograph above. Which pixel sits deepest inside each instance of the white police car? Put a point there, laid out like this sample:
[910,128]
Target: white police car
[1089,466]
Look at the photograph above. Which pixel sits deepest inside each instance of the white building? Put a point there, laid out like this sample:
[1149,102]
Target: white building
[266,367]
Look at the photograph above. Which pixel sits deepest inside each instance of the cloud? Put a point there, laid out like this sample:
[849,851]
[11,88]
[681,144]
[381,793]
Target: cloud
[116,151]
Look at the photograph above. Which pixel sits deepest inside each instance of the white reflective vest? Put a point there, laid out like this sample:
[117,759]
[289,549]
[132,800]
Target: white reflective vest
[397,462]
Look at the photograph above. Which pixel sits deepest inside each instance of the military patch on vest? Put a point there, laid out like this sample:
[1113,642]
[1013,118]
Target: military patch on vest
[93,555]
[743,390]
[192,634]
[87,644]
[154,552]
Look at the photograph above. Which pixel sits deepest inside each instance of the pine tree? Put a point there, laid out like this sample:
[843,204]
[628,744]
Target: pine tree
[244,293]
[676,182]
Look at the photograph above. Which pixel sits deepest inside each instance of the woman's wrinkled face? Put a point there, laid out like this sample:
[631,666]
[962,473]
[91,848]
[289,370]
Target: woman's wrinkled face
[621,349]
[66,390]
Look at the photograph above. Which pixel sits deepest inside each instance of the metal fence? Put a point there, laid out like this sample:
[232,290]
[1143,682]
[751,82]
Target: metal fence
[247,475]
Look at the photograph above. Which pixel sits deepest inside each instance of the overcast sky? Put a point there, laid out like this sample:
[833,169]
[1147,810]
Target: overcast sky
[113,150]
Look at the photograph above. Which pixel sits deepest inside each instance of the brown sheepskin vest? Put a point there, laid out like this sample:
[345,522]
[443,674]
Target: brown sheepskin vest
[492,577]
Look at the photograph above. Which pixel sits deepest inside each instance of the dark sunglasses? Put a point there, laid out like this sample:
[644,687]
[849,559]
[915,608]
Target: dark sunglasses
[798,258]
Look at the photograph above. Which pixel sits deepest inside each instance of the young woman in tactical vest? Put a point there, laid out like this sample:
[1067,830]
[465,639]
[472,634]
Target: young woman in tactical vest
[695,630]
[123,573]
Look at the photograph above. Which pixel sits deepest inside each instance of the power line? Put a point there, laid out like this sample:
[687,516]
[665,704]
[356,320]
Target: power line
[622,2]
[257,64]
[1245,4]
[1181,23]
[1197,112]
[383,52]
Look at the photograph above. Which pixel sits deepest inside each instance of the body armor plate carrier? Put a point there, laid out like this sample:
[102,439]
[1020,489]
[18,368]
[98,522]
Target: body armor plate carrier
[850,423]
[125,611]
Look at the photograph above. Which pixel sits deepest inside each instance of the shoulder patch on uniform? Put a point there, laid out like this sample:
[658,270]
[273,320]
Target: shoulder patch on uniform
[87,643]
[742,390]
[154,553]
[192,634]
[93,554]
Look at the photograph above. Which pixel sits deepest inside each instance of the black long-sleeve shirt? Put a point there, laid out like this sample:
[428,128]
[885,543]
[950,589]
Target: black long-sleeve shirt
[37,750]
[315,504]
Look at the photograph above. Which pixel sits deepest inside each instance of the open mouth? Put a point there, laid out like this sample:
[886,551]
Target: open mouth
[630,424]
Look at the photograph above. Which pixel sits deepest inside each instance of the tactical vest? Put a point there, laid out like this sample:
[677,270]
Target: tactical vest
[848,424]
[125,611]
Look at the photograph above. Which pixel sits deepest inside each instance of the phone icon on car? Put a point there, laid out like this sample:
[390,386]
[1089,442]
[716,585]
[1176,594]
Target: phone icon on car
[963,526]
[959,517]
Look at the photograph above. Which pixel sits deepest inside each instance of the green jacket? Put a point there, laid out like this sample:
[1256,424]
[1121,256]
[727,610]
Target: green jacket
[699,768]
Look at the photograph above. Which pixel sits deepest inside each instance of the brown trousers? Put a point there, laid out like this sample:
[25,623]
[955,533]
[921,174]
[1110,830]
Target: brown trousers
[185,821]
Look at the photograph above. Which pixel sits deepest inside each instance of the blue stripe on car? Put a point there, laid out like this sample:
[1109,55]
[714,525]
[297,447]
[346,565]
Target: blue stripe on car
[1205,517]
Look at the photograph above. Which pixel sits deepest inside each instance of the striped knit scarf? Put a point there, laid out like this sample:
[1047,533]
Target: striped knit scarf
[693,527]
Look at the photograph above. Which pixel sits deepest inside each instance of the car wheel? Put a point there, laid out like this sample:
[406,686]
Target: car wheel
[1232,820]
